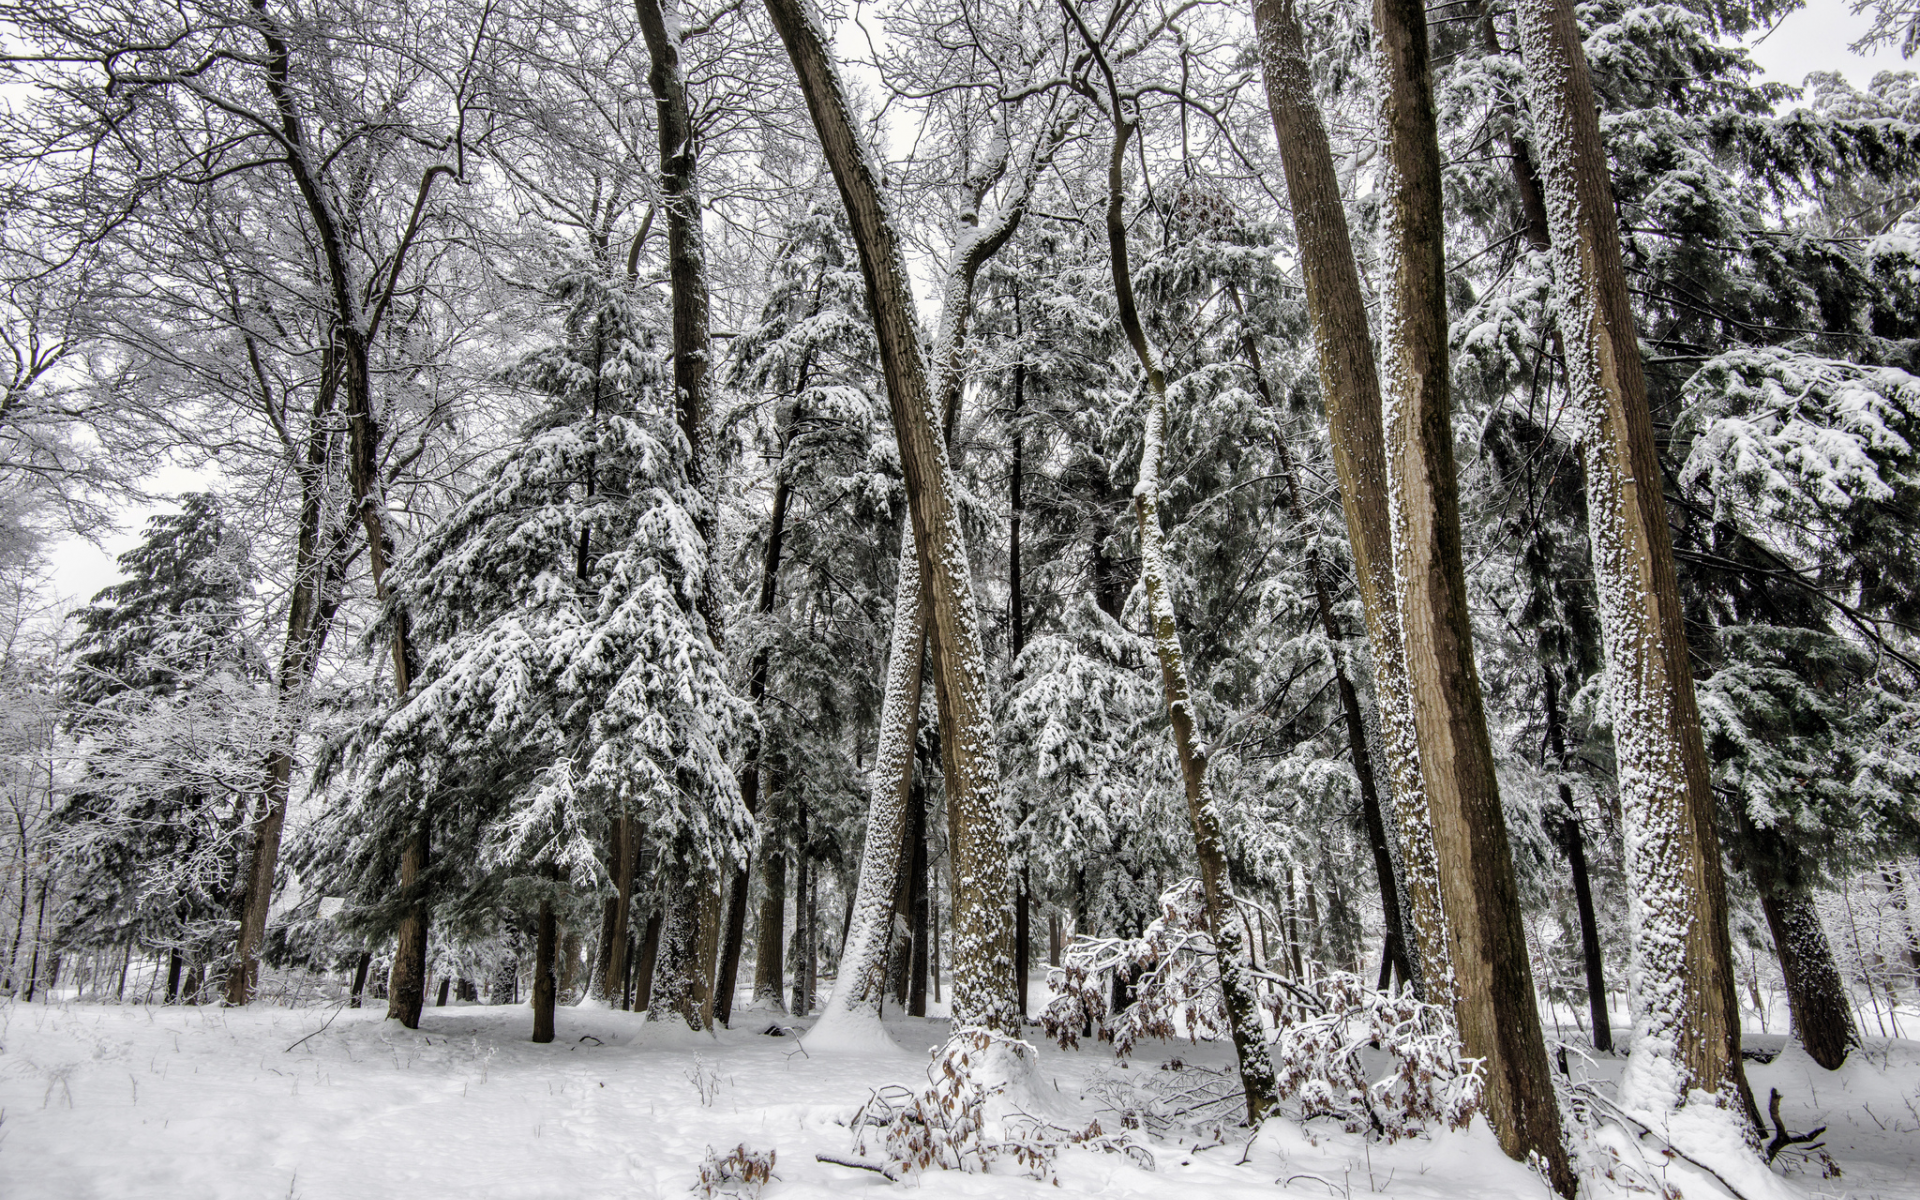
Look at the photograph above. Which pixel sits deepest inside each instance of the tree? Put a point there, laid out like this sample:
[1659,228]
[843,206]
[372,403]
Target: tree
[1686,1020]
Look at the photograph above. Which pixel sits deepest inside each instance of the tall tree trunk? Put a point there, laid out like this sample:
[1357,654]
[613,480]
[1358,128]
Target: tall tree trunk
[1491,983]
[619,917]
[707,947]
[544,984]
[1394,952]
[900,922]
[1573,844]
[318,567]
[983,984]
[750,773]
[1350,385]
[1209,838]
[1816,995]
[1686,1018]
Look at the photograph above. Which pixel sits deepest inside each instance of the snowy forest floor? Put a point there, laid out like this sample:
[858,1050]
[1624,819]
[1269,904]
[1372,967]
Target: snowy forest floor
[138,1101]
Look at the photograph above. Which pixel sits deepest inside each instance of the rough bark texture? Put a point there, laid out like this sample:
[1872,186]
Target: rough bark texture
[770,940]
[983,983]
[1686,1019]
[862,979]
[407,982]
[676,952]
[613,982]
[1816,995]
[649,956]
[544,984]
[1209,838]
[1492,980]
[1350,384]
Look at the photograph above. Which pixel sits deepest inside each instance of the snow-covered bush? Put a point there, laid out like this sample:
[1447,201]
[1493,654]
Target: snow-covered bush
[1382,1063]
[1329,1049]
[739,1172]
[968,1118]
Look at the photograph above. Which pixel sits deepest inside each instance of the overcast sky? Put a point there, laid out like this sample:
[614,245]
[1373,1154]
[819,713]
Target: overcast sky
[1815,38]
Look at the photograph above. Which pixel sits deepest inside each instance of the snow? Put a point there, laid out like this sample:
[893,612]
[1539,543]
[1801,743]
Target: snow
[319,1102]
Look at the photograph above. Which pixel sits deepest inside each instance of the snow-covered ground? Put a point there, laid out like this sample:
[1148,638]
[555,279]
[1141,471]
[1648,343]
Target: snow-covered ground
[135,1101]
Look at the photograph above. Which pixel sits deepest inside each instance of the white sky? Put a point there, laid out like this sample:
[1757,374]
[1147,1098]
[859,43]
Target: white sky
[1814,38]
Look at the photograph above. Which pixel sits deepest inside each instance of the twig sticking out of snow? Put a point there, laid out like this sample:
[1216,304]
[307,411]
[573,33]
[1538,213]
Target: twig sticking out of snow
[857,1165]
[319,1031]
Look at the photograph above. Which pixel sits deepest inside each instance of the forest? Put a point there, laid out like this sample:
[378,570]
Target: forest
[1374,547]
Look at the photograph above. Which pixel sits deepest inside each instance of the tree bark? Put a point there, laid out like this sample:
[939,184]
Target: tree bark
[1491,982]
[649,955]
[1573,844]
[1350,384]
[983,987]
[1209,838]
[916,1000]
[803,931]
[1686,1018]
[770,941]
[544,984]
[1816,995]
[675,958]
[406,985]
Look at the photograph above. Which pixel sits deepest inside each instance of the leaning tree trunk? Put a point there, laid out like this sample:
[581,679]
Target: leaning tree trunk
[1573,843]
[982,920]
[1394,952]
[1350,384]
[1209,836]
[1816,996]
[1491,983]
[1686,1018]
[317,572]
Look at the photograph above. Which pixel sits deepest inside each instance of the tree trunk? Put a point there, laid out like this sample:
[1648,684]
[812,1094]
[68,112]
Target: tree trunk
[900,921]
[173,976]
[983,987]
[770,942]
[750,774]
[1574,845]
[406,986]
[544,984]
[1350,384]
[917,910]
[446,985]
[864,959]
[1395,950]
[1685,1036]
[802,1003]
[1491,982]
[318,568]
[360,967]
[649,956]
[1816,995]
[676,957]
[1209,840]
[707,948]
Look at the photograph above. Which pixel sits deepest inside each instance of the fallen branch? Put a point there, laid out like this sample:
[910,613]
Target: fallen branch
[857,1165]
[319,1031]
[1781,1138]
[1646,1131]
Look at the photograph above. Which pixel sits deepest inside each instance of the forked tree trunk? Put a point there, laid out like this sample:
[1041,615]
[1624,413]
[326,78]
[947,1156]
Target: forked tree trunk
[1491,984]
[1686,1019]
[1350,385]
[544,984]
[983,984]
[1209,837]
